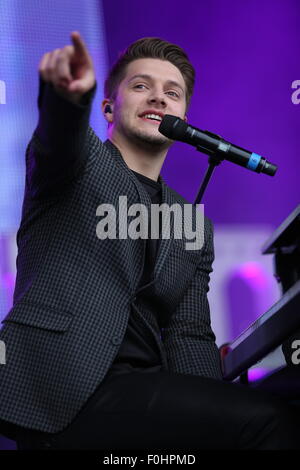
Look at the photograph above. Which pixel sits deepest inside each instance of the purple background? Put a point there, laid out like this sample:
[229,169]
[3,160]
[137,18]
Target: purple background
[246,55]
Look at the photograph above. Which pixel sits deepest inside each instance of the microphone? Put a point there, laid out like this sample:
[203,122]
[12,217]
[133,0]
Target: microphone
[176,129]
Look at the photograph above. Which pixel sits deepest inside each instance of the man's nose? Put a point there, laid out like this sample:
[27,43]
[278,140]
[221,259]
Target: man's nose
[157,97]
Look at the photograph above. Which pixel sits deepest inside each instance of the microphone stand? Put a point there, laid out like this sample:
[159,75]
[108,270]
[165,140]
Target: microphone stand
[215,158]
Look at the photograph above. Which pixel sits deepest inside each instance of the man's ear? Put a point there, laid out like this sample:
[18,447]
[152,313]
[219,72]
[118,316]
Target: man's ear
[107,109]
[185,118]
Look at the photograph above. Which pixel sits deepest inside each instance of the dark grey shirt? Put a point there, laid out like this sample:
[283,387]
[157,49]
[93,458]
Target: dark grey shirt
[136,352]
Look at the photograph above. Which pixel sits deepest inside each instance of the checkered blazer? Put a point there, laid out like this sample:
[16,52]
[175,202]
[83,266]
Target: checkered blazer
[74,292]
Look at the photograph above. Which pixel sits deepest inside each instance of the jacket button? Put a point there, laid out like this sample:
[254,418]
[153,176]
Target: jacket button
[116,340]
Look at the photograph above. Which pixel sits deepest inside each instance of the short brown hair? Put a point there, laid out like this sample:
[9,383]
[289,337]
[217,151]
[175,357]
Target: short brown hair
[154,48]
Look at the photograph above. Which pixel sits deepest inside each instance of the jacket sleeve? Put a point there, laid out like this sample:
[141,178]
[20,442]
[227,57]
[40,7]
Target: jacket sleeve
[189,340]
[58,148]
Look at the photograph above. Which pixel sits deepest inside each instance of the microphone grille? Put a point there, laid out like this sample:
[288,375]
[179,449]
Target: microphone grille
[172,127]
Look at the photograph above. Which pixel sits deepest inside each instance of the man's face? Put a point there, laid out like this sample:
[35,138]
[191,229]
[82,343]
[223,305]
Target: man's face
[151,86]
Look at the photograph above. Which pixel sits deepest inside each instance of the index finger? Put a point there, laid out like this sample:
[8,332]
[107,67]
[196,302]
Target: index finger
[78,43]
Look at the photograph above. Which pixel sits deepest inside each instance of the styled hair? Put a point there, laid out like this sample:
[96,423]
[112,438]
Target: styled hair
[154,48]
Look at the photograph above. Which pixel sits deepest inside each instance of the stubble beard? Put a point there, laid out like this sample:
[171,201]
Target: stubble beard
[147,141]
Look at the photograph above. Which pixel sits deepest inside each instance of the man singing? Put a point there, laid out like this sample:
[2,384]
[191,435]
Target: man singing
[109,343]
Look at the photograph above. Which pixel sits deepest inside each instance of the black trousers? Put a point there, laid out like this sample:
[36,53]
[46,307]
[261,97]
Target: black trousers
[173,411]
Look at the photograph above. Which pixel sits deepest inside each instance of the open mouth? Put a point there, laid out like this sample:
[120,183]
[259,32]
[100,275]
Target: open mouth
[153,121]
[153,118]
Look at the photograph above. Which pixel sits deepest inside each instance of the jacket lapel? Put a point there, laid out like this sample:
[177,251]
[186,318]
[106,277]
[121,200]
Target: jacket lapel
[167,198]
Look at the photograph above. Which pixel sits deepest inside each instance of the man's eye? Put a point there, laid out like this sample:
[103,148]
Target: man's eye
[174,93]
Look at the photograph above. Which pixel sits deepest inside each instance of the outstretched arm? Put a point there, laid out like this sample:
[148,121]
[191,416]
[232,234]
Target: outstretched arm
[58,148]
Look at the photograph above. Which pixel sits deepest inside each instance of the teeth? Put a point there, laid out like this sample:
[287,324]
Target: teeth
[153,116]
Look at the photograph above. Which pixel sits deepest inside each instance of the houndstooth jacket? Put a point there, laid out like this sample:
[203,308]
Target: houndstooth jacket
[74,292]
